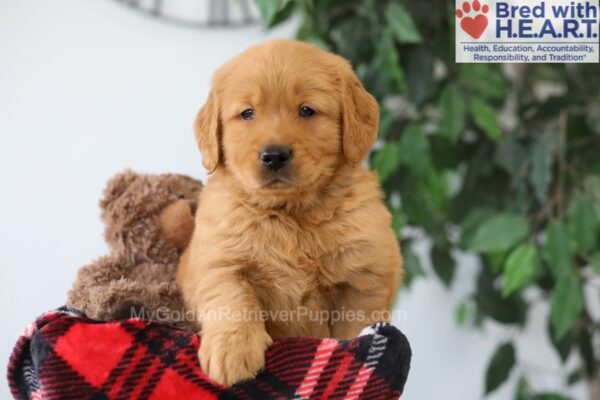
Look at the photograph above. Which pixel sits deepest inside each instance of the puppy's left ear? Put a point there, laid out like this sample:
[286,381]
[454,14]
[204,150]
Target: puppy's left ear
[208,132]
[360,118]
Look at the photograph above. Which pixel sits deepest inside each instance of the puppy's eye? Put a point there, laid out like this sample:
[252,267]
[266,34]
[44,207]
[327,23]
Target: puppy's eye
[247,114]
[306,112]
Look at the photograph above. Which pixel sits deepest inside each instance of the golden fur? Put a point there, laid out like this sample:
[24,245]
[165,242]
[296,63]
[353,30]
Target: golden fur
[316,237]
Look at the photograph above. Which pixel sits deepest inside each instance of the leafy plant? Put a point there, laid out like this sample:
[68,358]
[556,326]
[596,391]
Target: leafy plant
[501,161]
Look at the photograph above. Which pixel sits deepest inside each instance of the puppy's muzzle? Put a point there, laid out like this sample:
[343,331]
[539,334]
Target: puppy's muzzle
[274,157]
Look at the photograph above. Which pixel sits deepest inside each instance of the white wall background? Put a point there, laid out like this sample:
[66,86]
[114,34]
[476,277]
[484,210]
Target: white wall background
[88,88]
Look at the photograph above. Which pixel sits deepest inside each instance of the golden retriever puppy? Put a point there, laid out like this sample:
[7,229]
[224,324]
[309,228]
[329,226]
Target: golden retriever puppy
[292,237]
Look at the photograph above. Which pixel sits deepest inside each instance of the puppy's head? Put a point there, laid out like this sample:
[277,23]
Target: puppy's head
[283,116]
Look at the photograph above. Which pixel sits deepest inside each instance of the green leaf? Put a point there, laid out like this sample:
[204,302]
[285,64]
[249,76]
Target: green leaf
[542,154]
[586,352]
[283,14]
[268,9]
[398,220]
[388,61]
[412,264]
[566,304]
[384,73]
[485,80]
[443,264]
[496,261]
[557,249]
[436,186]
[401,24]
[595,261]
[499,367]
[418,62]
[510,310]
[498,233]
[520,201]
[444,155]
[583,223]
[522,391]
[462,311]
[471,224]
[485,118]
[574,377]
[563,345]
[414,150]
[591,187]
[511,155]
[347,36]
[386,160]
[414,203]
[386,120]
[551,396]
[453,110]
[520,268]
[593,117]
[549,72]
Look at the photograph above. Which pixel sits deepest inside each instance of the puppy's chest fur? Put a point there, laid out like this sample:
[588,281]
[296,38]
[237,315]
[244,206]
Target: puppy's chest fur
[296,266]
[293,261]
[297,250]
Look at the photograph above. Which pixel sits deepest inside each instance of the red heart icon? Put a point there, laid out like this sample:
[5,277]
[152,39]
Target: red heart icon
[474,26]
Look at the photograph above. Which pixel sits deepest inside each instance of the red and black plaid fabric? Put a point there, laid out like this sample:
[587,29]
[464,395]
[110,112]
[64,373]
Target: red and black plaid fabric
[64,355]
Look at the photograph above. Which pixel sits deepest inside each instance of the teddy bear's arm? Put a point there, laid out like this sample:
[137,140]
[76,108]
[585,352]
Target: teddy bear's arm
[97,274]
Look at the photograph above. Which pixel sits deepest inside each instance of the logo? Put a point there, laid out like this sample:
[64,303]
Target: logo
[527,31]
[475,22]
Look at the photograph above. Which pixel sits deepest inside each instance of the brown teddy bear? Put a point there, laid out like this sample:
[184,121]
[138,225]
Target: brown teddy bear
[148,222]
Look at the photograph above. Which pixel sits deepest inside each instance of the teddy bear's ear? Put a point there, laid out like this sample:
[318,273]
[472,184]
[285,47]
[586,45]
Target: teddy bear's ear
[177,223]
[116,186]
[182,186]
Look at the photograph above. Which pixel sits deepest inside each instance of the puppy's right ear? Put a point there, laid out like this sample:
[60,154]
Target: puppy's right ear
[208,132]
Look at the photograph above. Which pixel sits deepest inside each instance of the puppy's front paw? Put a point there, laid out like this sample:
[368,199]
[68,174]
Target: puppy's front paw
[231,356]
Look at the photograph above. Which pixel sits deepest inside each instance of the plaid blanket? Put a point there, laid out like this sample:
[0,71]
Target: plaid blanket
[64,355]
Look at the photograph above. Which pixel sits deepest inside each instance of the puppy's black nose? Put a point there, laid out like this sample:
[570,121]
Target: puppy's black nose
[275,157]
